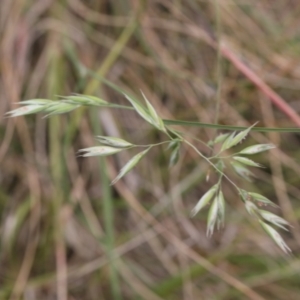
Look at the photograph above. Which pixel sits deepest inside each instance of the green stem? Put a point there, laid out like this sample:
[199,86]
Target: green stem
[229,127]
[190,123]
[152,145]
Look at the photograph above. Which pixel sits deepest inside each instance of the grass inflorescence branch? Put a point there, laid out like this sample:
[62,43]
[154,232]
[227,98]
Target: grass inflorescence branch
[214,196]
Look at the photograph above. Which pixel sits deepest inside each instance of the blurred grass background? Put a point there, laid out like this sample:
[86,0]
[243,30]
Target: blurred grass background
[65,232]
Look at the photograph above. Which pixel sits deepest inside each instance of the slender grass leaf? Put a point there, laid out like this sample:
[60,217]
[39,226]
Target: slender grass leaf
[229,127]
[193,123]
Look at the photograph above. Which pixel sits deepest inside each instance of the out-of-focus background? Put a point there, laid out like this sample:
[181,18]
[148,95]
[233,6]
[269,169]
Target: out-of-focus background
[65,232]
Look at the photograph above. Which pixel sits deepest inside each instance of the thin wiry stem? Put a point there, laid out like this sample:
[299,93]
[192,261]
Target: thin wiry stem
[152,145]
[212,164]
